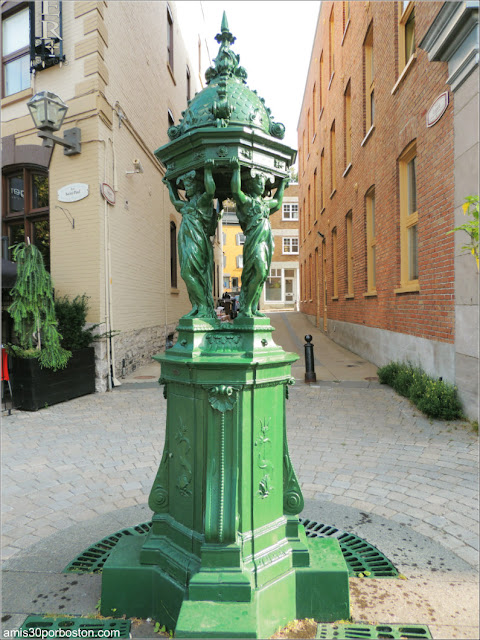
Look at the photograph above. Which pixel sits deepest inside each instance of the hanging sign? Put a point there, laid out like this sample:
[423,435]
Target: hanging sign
[73,192]
[437,109]
[108,193]
[46,41]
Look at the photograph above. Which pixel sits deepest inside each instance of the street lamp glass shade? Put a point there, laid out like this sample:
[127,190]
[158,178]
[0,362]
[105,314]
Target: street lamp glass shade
[47,110]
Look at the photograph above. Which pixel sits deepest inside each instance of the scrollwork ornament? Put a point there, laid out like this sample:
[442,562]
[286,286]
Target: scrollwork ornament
[277,130]
[292,502]
[159,499]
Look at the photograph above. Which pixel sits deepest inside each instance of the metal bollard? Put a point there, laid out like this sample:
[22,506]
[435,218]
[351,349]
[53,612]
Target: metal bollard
[310,375]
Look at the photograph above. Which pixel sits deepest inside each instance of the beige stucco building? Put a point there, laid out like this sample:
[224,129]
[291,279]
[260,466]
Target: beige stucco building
[125,74]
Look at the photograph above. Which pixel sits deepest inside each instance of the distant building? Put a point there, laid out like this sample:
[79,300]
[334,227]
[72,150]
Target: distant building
[126,75]
[380,169]
[282,286]
[233,241]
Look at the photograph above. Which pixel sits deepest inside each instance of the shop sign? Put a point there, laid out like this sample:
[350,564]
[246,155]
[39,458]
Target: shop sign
[437,109]
[46,39]
[73,192]
[108,193]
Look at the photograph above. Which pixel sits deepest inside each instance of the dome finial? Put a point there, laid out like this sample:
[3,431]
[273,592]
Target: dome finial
[224,26]
[225,36]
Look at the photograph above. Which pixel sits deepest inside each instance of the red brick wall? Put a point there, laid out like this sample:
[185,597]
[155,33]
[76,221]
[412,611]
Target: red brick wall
[399,119]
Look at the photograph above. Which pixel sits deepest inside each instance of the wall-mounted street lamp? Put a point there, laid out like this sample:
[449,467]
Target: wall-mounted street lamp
[48,112]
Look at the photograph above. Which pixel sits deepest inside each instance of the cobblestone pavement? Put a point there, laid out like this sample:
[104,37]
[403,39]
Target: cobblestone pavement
[361,447]
[354,448]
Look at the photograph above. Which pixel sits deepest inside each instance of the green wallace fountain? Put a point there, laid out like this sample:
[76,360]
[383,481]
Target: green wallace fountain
[226,555]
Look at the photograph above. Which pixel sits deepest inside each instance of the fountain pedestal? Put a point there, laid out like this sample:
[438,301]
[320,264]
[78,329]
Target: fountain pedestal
[226,555]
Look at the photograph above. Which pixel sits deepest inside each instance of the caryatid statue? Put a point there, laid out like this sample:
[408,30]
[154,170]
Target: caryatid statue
[199,221]
[253,212]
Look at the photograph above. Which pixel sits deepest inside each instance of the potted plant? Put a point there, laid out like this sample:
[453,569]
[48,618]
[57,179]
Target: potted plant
[45,369]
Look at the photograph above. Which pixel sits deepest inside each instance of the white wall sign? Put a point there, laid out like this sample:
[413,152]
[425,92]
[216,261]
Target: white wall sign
[437,109]
[73,192]
[108,193]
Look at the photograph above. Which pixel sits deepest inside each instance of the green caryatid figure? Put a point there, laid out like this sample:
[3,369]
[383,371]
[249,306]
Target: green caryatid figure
[253,212]
[195,251]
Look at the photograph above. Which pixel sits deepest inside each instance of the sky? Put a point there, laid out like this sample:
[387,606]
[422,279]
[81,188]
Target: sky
[274,40]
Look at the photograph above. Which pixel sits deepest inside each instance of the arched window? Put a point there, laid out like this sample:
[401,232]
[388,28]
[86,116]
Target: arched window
[25,210]
[173,255]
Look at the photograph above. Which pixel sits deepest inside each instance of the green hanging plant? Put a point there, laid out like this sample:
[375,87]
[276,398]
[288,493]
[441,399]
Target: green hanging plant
[33,311]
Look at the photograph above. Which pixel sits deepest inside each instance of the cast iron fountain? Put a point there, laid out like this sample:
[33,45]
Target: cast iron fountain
[226,555]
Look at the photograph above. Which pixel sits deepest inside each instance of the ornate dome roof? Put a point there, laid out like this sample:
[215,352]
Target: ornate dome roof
[226,100]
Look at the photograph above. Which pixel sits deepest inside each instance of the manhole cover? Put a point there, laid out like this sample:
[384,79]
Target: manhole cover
[341,631]
[73,627]
[362,559]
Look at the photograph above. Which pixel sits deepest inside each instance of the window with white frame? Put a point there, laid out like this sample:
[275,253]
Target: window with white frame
[290,211]
[15,51]
[240,239]
[290,246]
[239,261]
[273,286]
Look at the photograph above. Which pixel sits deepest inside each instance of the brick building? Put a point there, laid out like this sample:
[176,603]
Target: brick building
[377,187]
[281,290]
[126,74]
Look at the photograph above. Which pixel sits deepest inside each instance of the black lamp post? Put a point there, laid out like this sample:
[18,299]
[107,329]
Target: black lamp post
[48,112]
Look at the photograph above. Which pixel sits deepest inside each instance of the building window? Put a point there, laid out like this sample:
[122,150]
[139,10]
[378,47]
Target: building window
[289,211]
[369,80]
[320,83]
[303,220]
[333,180]
[310,278]
[170,37]
[409,216]
[170,118]
[234,283]
[224,261]
[273,286]
[16,52]
[239,239]
[349,254]
[308,133]
[239,261]
[348,125]
[26,211]
[290,246]
[371,241]
[322,180]
[315,204]
[406,40]
[189,95]
[314,109]
[334,263]
[173,255]
[346,15]
[332,43]
[309,208]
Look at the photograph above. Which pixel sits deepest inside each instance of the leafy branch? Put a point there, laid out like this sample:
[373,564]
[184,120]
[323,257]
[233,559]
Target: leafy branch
[470,208]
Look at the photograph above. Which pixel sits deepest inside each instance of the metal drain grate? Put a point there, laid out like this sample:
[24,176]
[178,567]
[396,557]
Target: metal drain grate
[361,557]
[79,627]
[92,559]
[341,631]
